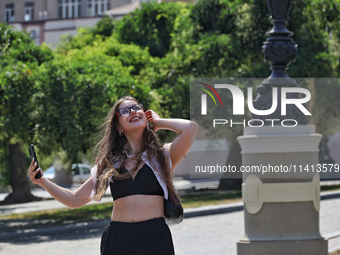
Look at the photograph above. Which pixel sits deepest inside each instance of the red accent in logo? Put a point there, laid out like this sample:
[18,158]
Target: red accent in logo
[213,90]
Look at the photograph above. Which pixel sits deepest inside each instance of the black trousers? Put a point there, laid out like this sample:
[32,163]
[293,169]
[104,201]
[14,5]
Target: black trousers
[150,237]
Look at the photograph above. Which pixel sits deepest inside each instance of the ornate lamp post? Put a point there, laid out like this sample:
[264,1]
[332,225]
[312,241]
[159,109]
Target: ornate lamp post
[279,50]
[281,210]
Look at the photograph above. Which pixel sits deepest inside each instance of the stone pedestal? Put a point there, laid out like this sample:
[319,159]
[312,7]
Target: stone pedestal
[281,208]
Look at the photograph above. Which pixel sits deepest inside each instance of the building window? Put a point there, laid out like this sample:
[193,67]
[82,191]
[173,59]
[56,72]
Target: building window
[29,11]
[68,9]
[9,12]
[35,36]
[97,7]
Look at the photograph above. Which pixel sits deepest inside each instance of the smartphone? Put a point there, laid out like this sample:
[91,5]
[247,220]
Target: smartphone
[33,155]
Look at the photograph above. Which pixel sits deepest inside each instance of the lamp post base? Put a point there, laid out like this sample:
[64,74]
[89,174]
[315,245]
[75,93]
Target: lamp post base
[294,247]
[281,212]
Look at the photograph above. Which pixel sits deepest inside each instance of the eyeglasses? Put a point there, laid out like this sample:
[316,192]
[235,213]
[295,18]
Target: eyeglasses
[125,111]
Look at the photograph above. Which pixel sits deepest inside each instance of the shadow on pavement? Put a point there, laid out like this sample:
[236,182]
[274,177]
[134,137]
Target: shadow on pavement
[24,231]
[330,196]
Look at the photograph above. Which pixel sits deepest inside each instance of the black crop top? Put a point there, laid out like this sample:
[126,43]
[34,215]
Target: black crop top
[144,183]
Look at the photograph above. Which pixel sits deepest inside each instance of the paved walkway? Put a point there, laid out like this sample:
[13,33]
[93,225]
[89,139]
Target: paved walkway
[207,235]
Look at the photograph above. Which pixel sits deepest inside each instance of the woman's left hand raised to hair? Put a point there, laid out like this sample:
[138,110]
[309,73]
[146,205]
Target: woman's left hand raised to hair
[186,130]
[152,116]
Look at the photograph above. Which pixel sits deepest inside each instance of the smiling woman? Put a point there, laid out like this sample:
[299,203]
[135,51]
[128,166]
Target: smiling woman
[139,171]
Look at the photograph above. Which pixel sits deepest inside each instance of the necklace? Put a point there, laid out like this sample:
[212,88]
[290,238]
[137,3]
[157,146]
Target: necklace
[128,154]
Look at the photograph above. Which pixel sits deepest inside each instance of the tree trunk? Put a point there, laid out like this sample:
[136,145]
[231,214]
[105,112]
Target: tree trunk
[234,159]
[21,191]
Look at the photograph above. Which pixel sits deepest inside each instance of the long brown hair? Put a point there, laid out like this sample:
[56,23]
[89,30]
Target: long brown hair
[111,147]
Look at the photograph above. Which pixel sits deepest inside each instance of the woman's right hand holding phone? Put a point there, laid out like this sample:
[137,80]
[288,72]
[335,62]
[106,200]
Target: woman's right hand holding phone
[72,199]
[32,171]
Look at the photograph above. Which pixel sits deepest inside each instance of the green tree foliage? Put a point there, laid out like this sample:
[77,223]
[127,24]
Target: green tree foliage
[83,85]
[316,32]
[215,16]
[19,58]
[59,98]
[19,47]
[57,104]
[104,27]
[150,27]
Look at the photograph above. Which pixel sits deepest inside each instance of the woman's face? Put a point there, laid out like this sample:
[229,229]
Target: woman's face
[132,122]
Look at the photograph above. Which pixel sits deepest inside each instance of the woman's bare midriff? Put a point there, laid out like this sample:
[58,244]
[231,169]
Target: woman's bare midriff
[138,208]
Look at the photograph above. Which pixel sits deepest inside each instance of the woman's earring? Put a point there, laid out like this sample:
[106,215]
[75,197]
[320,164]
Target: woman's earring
[120,133]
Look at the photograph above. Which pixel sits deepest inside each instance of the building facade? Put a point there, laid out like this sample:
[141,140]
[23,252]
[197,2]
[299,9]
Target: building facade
[47,20]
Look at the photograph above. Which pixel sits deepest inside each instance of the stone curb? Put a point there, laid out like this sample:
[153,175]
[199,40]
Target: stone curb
[188,213]
[212,210]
